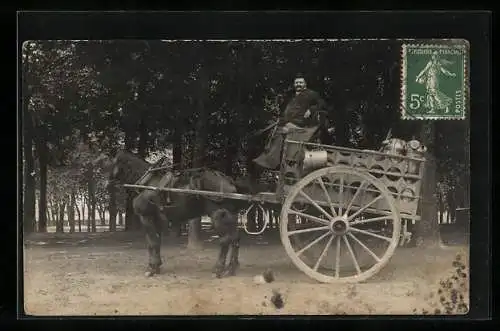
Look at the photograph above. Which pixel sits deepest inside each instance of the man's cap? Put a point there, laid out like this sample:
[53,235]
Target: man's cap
[300,75]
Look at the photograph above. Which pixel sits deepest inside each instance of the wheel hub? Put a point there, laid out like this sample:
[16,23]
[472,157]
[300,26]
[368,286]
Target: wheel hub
[339,226]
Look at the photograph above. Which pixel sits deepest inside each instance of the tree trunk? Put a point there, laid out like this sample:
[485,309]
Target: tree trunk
[54,212]
[92,199]
[102,215]
[131,219]
[84,205]
[89,213]
[71,213]
[427,230]
[112,208]
[232,144]
[29,180]
[441,209]
[93,219]
[452,204]
[60,218]
[466,198]
[29,209]
[201,136]
[194,232]
[341,128]
[49,213]
[120,218]
[143,139]
[177,148]
[42,204]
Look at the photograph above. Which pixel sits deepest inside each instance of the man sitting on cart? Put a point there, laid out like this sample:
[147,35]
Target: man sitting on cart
[300,121]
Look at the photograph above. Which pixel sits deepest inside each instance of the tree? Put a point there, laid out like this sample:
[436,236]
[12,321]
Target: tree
[427,232]
[29,172]
[53,81]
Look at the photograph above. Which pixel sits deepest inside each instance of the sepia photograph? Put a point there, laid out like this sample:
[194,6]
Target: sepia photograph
[245,177]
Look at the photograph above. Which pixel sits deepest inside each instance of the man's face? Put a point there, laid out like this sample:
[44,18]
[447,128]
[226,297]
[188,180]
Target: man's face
[299,84]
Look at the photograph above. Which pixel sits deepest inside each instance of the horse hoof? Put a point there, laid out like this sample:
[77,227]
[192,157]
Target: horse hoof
[218,271]
[230,272]
[152,272]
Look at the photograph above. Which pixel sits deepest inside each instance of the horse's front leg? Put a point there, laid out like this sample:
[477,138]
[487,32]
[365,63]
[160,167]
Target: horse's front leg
[220,265]
[153,241]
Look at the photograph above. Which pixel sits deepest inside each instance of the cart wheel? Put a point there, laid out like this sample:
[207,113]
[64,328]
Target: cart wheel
[353,225]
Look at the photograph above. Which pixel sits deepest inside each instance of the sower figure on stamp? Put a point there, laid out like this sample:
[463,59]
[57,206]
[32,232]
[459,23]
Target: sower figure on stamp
[300,121]
[435,98]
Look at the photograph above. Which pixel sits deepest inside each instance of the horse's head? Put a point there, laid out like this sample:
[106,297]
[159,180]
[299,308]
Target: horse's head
[126,168]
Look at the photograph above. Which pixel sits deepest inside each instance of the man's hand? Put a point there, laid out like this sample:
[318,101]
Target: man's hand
[307,114]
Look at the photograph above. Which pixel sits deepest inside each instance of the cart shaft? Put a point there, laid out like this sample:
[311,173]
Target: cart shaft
[260,197]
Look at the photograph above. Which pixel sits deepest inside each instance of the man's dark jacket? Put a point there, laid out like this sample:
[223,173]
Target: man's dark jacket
[297,107]
[294,113]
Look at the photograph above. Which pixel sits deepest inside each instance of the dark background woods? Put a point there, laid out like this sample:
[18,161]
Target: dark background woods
[203,100]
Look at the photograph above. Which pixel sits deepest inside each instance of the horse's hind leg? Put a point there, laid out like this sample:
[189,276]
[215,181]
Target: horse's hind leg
[234,237]
[226,225]
[235,251]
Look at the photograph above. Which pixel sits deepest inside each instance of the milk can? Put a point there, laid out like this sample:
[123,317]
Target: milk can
[416,150]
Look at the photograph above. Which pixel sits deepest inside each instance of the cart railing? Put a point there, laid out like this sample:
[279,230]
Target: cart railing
[401,175]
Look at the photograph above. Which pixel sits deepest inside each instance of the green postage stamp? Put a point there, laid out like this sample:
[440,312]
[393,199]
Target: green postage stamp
[435,80]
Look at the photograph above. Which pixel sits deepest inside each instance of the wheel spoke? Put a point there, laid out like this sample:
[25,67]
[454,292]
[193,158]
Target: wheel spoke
[354,198]
[365,247]
[323,253]
[352,254]
[315,204]
[365,207]
[314,242]
[308,230]
[312,218]
[328,198]
[371,234]
[341,195]
[337,259]
[369,220]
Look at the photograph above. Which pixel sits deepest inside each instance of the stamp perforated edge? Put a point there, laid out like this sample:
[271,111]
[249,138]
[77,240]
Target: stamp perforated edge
[446,43]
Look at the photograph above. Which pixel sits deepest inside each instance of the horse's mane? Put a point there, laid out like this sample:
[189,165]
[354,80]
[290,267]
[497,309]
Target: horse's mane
[124,155]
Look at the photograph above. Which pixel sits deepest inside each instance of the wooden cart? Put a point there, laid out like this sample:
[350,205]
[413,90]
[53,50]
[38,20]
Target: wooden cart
[343,212]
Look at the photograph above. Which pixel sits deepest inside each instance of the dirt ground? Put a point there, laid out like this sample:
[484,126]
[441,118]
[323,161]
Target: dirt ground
[103,274]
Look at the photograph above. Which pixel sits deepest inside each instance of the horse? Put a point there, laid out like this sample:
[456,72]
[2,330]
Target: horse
[154,208]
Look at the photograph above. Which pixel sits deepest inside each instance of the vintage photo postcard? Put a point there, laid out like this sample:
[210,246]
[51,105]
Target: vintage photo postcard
[246,177]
